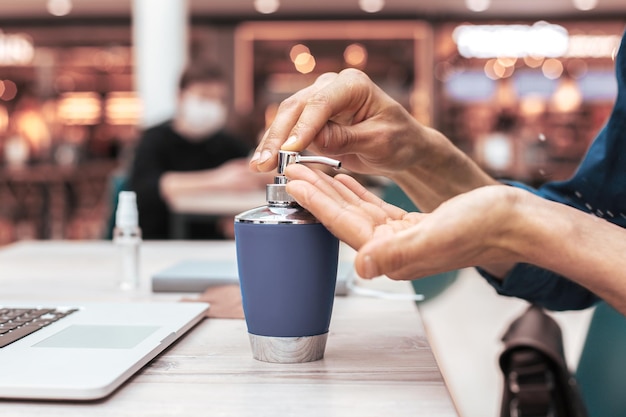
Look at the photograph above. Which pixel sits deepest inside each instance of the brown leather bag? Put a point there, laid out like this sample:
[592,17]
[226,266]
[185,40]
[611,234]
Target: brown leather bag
[537,381]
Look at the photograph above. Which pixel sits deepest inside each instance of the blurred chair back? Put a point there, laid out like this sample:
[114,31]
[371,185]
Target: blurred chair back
[430,286]
[601,371]
[117,183]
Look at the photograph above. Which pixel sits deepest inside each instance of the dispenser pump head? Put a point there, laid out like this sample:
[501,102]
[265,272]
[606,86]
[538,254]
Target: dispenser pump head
[286,158]
[276,193]
[126,214]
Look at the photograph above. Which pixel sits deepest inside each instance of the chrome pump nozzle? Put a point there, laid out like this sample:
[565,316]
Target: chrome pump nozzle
[276,193]
[286,157]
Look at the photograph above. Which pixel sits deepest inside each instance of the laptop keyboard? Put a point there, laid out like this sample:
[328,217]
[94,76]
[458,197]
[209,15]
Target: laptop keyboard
[16,323]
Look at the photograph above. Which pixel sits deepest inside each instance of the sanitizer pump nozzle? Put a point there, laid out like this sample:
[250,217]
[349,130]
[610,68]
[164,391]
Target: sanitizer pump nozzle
[276,193]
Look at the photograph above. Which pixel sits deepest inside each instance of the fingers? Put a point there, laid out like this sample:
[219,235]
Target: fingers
[264,158]
[427,244]
[302,116]
[362,193]
[352,227]
[350,193]
[395,255]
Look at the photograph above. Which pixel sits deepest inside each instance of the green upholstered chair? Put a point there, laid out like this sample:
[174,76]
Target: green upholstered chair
[430,286]
[601,371]
[117,183]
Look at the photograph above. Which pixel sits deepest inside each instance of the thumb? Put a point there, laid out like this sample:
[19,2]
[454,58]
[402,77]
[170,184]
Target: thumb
[379,257]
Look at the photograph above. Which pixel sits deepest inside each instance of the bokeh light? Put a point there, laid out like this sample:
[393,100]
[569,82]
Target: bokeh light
[552,68]
[266,6]
[477,5]
[59,7]
[305,63]
[10,90]
[371,6]
[585,5]
[355,55]
[297,50]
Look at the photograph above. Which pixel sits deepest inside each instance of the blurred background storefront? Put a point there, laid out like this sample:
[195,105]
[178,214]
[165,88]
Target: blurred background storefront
[523,89]
[526,98]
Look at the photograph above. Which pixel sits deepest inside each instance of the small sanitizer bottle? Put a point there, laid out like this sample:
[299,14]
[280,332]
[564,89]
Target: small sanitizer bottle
[127,236]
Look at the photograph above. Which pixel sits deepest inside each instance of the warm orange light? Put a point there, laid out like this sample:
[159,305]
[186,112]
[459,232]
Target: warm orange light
[552,68]
[4,118]
[305,63]
[495,70]
[490,70]
[532,105]
[355,55]
[506,61]
[499,69]
[122,108]
[505,96]
[79,108]
[533,61]
[297,50]
[29,124]
[567,96]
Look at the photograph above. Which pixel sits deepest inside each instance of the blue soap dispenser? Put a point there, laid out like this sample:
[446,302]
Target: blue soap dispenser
[287,264]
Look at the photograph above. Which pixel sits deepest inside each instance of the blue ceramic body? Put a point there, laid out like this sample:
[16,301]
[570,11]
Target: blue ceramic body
[288,274]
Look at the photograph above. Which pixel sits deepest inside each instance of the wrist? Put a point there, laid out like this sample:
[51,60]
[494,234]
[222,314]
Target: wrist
[439,171]
[529,233]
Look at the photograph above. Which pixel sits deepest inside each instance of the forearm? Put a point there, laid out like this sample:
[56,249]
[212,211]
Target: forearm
[441,172]
[582,247]
[174,184]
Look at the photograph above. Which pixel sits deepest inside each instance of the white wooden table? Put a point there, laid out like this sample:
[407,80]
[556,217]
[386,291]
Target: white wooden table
[218,203]
[378,361]
[186,209]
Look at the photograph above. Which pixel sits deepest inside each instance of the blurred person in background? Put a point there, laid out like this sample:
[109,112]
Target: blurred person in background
[190,154]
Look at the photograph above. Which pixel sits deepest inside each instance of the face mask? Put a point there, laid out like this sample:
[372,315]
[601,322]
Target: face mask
[201,117]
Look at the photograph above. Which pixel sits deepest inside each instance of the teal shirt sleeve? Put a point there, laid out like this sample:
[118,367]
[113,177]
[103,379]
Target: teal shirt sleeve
[597,187]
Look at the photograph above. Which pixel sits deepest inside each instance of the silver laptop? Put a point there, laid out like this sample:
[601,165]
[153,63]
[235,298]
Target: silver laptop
[84,352]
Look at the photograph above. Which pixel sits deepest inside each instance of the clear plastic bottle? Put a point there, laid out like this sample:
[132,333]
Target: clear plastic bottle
[127,236]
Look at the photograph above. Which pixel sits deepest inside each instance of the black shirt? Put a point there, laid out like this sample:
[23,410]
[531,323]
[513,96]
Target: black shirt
[161,149]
